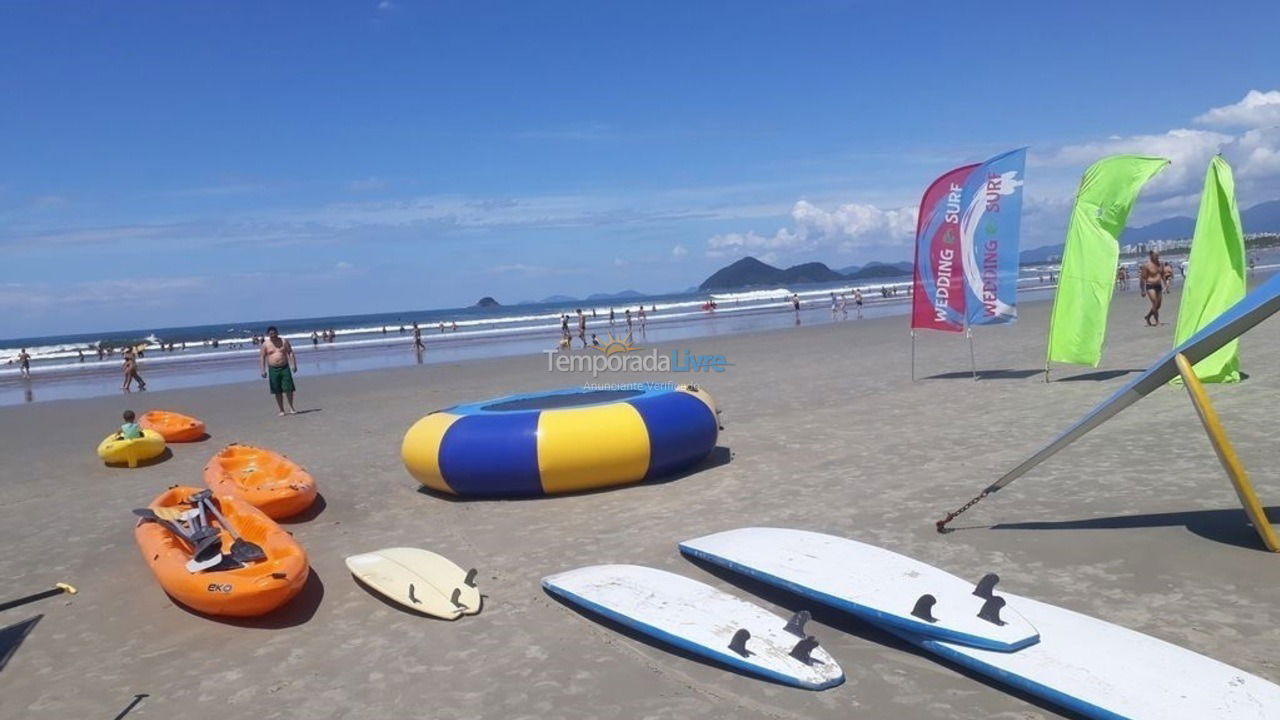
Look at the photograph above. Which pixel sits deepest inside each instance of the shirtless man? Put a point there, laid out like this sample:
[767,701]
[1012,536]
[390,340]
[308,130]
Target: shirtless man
[24,363]
[278,364]
[1151,280]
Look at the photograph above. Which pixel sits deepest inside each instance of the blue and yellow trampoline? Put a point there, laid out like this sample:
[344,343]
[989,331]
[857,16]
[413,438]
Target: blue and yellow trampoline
[561,441]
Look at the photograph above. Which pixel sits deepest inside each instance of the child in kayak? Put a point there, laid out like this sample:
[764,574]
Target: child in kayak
[130,430]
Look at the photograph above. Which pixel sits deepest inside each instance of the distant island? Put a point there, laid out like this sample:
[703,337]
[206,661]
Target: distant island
[487,302]
[750,272]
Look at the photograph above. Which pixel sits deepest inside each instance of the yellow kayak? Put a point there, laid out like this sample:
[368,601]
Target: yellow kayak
[115,451]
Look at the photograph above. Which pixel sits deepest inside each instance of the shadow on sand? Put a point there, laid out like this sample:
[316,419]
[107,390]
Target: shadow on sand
[1230,526]
[132,704]
[718,456]
[295,612]
[162,457]
[1005,374]
[12,636]
[1100,375]
[317,506]
[850,625]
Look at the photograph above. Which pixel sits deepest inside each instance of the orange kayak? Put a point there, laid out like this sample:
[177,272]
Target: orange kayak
[267,480]
[256,588]
[173,427]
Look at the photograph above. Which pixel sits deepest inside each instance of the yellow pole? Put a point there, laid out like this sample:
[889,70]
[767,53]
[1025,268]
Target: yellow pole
[1227,455]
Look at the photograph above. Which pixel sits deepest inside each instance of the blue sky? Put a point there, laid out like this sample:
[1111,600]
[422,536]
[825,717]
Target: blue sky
[218,161]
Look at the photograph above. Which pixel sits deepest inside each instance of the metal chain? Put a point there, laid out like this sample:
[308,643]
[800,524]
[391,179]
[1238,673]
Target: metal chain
[942,524]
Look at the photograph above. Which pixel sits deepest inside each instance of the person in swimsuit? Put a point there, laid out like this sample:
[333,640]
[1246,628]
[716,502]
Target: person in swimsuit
[1151,279]
[24,363]
[278,363]
[1167,273]
[857,301]
[131,371]
[418,345]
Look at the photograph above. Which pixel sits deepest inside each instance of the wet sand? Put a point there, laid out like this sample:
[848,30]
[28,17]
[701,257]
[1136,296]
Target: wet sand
[1135,524]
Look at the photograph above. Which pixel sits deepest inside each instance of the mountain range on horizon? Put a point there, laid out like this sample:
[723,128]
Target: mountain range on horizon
[1261,218]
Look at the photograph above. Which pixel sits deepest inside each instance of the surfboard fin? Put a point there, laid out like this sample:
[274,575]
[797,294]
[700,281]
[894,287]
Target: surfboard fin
[739,642]
[457,593]
[991,610]
[796,624]
[986,586]
[413,598]
[924,608]
[470,580]
[803,649]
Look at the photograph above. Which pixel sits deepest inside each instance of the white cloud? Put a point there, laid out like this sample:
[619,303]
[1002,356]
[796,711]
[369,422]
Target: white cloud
[343,265]
[1189,151]
[1253,152]
[533,270]
[679,251]
[843,228]
[1257,109]
[368,184]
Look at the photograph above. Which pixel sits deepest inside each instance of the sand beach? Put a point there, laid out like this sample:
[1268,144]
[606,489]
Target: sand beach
[824,430]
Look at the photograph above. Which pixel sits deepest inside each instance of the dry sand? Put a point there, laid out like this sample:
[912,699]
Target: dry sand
[1135,524]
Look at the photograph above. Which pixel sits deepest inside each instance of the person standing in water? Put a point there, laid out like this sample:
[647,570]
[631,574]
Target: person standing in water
[131,371]
[1151,280]
[278,363]
[418,345]
[24,363]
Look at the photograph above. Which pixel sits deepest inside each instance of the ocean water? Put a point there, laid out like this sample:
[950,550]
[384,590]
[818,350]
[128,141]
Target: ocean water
[68,366]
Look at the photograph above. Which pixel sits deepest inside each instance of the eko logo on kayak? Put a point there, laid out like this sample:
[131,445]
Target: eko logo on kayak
[623,355]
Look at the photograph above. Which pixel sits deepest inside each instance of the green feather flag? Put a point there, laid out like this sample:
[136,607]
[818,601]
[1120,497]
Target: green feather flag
[1087,279]
[1215,272]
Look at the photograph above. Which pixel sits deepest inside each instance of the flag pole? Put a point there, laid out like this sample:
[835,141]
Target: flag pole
[973,363]
[913,354]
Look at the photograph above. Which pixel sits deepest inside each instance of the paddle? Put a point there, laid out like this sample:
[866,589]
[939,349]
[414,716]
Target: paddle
[241,550]
[201,540]
[57,589]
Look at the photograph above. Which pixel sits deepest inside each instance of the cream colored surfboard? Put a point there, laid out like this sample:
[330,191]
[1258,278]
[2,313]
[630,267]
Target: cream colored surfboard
[419,580]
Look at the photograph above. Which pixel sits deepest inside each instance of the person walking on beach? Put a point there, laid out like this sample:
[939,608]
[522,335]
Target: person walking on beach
[1150,278]
[278,363]
[24,363]
[857,301]
[643,320]
[610,317]
[582,328]
[417,339]
[628,321]
[131,371]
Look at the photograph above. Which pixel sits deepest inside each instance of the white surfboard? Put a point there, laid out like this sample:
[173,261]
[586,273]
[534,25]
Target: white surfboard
[875,584]
[419,580]
[1102,670]
[700,619]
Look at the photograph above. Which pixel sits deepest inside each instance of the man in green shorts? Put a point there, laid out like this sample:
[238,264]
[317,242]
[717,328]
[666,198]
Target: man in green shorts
[278,365]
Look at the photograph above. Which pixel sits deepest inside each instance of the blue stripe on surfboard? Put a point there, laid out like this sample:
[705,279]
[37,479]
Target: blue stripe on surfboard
[730,659]
[1018,682]
[864,612]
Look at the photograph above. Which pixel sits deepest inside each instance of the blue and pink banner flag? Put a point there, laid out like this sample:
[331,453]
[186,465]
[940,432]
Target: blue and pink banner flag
[937,296]
[989,230]
[967,246]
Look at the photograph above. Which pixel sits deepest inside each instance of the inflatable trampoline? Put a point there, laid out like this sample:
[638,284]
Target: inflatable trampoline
[562,440]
